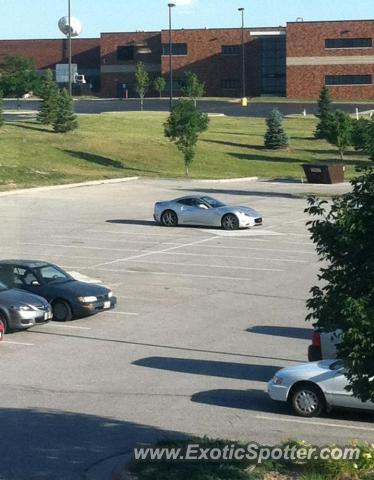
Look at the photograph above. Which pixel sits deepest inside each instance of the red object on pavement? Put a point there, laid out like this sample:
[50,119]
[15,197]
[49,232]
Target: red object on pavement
[2,329]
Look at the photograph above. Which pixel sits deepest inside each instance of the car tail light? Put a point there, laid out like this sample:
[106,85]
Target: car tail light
[316,339]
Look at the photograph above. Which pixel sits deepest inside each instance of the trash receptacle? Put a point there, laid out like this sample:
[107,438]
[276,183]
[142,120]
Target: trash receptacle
[326,173]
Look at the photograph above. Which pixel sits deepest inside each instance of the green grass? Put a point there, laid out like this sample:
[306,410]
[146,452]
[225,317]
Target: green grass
[128,144]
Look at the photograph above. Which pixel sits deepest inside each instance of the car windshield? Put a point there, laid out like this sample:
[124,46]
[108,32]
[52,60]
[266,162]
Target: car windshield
[50,274]
[3,287]
[212,202]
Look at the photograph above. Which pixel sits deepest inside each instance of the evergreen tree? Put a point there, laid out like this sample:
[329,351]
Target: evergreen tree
[361,135]
[325,112]
[160,85]
[1,109]
[65,120]
[275,136]
[339,131]
[49,97]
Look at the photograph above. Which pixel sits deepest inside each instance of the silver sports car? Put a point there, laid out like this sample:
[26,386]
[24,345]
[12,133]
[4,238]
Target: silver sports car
[206,211]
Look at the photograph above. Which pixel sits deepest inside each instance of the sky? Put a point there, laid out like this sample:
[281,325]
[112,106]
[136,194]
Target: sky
[38,18]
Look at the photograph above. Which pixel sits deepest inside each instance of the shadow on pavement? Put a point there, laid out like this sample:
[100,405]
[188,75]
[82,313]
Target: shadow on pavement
[249,192]
[240,371]
[39,444]
[133,222]
[289,332]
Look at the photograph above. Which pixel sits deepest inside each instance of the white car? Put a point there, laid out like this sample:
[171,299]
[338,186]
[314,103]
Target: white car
[312,388]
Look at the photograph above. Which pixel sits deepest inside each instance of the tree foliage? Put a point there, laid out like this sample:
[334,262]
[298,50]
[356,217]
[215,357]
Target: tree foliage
[142,82]
[18,76]
[325,112]
[361,134]
[344,236]
[275,136]
[193,88]
[160,85]
[65,120]
[1,109]
[339,131]
[49,99]
[184,126]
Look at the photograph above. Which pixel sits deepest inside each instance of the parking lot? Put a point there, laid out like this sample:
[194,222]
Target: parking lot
[204,320]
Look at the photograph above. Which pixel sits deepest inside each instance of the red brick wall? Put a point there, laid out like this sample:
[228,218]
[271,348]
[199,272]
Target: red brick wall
[47,53]
[206,60]
[308,40]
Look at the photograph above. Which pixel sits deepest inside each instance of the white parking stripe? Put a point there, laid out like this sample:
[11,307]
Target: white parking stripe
[233,267]
[190,275]
[229,247]
[313,422]
[114,240]
[18,343]
[154,252]
[75,327]
[130,314]
[177,231]
[269,259]
[54,245]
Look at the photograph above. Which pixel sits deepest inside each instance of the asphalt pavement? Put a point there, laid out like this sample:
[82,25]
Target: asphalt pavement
[156,105]
[205,318]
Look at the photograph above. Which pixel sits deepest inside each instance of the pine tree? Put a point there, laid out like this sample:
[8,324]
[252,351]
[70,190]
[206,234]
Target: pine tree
[275,136]
[339,132]
[324,115]
[49,97]
[1,109]
[65,120]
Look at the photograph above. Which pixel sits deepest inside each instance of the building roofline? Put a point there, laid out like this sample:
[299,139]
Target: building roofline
[332,21]
[130,33]
[45,39]
[224,28]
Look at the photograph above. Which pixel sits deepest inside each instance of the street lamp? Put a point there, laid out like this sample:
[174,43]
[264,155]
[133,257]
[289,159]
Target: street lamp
[170,5]
[243,57]
[69,47]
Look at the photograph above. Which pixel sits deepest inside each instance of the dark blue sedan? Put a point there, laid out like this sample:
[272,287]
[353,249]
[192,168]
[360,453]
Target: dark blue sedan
[69,298]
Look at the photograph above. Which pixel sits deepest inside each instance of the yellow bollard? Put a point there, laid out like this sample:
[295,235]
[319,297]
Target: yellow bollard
[245,102]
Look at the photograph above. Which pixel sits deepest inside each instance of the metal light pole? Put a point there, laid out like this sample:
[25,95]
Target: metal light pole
[69,48]
[243,57]
[170,5]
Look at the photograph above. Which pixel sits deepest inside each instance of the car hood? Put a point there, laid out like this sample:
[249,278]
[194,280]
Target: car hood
[81,289]
[239,209]
[307,370]
[14,296]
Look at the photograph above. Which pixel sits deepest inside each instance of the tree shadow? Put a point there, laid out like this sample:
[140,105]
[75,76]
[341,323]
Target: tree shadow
[41,444]
[239,371]
[265,158]
[288,332]
[32,126]
[234,144]
[97,159]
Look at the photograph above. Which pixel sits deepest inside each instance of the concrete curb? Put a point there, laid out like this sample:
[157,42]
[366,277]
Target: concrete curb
[68,185]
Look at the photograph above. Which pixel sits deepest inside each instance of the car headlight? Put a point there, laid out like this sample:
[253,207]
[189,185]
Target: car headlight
[110,294]
[23,308]
[278,380]
[87,299]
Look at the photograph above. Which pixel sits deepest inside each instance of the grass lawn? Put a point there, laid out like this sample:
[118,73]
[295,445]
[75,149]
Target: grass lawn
[127,144]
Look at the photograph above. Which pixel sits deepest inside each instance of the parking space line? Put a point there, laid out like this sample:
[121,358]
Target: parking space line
[130,314]
[191,244]
[234,267]
[313,422]
[236,256]
[54,245]
[74,327]
[121,241]
[310,252]
[190,275]
[18,343]
[141,233]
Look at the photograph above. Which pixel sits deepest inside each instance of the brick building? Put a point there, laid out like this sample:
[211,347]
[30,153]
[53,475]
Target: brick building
[295,60]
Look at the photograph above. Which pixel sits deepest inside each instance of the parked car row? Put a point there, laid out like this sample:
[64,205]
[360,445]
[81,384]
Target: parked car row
[34,292]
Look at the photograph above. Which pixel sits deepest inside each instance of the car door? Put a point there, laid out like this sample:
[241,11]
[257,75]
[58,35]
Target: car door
[188,211]
[337,395]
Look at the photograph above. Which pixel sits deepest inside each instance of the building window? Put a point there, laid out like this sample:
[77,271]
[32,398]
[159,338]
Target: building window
[348,43]
[125,53]
[177,49]
[273,65]
[332,80]
[230,84]
[231,49]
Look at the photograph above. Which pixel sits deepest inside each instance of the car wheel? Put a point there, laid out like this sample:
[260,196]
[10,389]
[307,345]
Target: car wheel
[169,219]
[61,311]
[230,222]
[307,400]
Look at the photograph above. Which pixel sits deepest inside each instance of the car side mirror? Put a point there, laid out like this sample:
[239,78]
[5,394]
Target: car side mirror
[35,283]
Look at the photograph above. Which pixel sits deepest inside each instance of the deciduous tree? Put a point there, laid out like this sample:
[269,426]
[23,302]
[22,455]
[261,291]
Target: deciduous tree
[18,76]
[142,82]
[193,88]
[339,132]
[160,85]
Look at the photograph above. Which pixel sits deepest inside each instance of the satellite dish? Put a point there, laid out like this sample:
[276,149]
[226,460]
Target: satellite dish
[75,26]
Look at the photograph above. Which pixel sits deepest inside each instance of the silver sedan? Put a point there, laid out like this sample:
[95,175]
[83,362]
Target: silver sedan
[312,388]
[205,211]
